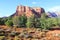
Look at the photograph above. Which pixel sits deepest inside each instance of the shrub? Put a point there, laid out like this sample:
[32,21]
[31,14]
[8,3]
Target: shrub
[9,23]
[3,20]
[45,23]
[31,21]
[20,21]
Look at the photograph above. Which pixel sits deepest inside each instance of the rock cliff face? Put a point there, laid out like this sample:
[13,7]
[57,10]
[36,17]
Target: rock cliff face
[28,11]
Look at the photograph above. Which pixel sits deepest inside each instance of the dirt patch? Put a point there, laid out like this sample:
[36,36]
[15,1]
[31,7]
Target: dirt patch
[3,27]
[35,34]
[53,35]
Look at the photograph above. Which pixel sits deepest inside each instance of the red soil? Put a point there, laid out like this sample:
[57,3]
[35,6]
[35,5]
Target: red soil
[50,35]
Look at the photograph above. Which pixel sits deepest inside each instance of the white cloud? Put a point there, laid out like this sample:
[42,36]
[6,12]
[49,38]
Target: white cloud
[55,8]
[34,2]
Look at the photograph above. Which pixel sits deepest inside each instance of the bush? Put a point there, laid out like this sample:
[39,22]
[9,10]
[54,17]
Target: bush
[3,20]
[47,23]
[20,21]
[31,22]
[53,22]
[9,23]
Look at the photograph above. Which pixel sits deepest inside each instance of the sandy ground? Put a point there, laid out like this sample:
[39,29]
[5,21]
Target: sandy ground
[50,35]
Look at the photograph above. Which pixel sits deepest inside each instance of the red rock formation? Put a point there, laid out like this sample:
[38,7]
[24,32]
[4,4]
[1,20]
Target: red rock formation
[28,11]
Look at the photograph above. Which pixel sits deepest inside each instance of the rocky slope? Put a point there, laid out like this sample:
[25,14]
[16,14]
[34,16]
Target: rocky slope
[28,11]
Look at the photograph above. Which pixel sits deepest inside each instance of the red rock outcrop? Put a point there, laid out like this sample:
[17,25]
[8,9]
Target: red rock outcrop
[28,11]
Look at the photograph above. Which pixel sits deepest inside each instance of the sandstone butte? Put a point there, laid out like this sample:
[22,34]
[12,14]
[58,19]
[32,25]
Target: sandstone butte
[28,11]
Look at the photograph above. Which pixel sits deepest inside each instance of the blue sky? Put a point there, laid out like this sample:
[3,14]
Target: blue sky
[8,7]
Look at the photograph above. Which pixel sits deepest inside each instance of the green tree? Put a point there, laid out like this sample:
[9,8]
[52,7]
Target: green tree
[44,22]
[47,23]
[37,22]
[20,21]
[9,23]
[3,20]
[31,21]
[58,20]
[55,22]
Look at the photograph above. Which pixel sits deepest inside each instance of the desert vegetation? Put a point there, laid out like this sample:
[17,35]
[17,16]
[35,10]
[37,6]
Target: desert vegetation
[23,28]
[22,21]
